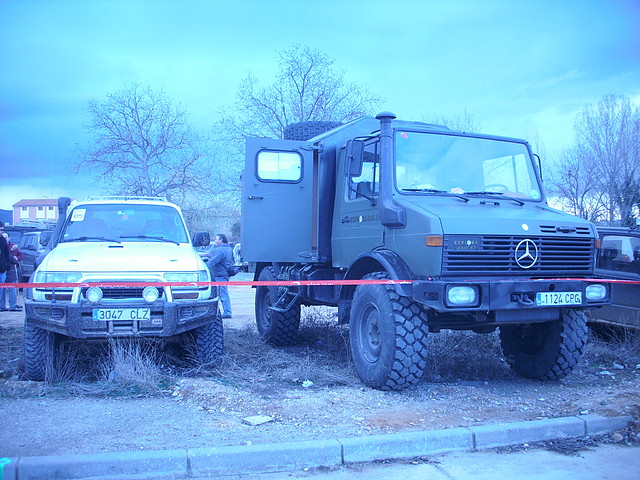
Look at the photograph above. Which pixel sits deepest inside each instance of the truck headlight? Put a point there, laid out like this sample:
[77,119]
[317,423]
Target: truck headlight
[462,296]
[596,292]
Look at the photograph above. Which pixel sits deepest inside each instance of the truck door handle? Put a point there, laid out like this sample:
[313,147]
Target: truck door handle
[251,197]
[345,219]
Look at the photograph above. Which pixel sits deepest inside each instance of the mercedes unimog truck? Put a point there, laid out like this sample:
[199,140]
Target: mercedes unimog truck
[410,228]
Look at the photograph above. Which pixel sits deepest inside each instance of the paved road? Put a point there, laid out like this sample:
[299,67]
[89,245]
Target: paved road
[600,463]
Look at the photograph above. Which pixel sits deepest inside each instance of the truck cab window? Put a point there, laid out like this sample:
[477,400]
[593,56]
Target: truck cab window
[366,185]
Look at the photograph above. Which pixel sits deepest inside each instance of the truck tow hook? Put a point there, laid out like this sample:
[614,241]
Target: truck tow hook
[523,299]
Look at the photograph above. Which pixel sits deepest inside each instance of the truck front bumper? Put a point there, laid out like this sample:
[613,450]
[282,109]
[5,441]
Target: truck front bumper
[77,320]
[511,300]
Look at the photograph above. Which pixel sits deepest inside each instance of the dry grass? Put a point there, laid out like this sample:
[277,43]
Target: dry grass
[463,355]
[614,346]
[321,353]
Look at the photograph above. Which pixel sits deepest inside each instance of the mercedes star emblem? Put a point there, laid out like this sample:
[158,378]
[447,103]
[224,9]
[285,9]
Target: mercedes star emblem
[526,254]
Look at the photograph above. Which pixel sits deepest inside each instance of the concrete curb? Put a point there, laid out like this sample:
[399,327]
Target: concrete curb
[294,456]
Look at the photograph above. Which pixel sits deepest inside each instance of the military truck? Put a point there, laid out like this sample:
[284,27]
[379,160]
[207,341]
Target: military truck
[100,245]
[416,228]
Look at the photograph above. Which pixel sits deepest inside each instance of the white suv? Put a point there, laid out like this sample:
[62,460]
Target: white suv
[114,240]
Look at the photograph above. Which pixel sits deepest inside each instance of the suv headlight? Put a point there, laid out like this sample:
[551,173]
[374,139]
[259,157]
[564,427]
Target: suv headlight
[58,277]
[199,276]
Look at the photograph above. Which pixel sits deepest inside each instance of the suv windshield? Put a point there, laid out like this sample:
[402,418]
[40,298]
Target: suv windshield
[435,163]
[124,222]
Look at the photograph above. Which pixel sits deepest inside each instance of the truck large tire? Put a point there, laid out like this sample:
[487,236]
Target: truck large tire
[307,130]
[388,336]
[276,328]
[546,351]
[41,349]
[209,340]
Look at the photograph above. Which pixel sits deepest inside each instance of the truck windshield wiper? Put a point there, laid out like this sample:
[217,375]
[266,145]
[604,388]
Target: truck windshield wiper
[162,239]
[520,202]
[433,190]
[84,239]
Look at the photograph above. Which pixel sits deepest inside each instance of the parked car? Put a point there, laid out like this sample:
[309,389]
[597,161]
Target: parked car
[32,245]
[16,232]
[619,259]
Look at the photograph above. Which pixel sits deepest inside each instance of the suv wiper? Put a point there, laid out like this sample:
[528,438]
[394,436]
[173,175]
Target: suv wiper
[162,239]
[433,190]
[85,238]
[520,202]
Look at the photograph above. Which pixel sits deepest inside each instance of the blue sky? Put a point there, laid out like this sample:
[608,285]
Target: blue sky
[521,68]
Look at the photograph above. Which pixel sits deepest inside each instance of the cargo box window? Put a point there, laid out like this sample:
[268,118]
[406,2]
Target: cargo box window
[279,166]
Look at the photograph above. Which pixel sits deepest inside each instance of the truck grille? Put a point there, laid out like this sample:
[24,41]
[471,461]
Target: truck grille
[496,255]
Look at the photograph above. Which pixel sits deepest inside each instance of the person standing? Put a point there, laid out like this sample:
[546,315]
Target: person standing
[219,263]
[11,276]
[5,266]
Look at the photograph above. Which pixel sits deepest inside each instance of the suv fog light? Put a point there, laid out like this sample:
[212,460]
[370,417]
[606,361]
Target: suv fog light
[596,292]
[150,294]
[462,296]
[94,294]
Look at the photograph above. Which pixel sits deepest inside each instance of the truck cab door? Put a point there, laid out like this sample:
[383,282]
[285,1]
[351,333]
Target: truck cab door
[356,221]
[278,208]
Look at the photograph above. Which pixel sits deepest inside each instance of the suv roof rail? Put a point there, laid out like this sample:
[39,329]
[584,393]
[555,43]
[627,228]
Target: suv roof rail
[125,197]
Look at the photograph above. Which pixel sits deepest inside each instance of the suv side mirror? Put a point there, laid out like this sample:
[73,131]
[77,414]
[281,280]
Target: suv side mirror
[355,156]
[44,239]
[201,239]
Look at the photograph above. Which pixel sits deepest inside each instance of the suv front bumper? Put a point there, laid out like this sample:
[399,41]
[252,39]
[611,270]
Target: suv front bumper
[76,320]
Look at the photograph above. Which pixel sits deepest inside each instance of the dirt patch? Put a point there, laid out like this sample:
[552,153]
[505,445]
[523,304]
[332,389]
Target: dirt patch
[308,391]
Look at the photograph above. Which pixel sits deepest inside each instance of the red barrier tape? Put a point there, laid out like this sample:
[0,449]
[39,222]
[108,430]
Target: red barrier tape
[283,283]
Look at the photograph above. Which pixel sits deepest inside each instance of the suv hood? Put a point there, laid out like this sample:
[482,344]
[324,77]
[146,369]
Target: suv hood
[122,257]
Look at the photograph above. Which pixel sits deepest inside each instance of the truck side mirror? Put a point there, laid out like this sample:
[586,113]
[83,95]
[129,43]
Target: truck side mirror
[201,239]
[355,155]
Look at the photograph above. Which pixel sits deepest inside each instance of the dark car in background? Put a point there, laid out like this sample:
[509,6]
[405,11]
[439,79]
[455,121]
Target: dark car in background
[619,259]
[32,245]
[206,251]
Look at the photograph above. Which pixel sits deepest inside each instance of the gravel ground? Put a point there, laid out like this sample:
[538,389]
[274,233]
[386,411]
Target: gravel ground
[299,399]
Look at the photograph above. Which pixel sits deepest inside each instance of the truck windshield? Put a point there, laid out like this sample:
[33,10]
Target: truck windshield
[437,163]
[125,223]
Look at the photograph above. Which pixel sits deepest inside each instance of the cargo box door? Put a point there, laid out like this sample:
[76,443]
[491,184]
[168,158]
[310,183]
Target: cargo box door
[278,208]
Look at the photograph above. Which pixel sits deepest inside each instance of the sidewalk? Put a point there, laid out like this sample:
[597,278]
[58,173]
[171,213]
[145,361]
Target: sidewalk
[290,457]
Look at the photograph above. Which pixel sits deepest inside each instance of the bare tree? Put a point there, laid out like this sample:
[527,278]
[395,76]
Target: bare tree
[307,88]
[576,193]
[605,160]
[143,145]
[608,138]
[463,122]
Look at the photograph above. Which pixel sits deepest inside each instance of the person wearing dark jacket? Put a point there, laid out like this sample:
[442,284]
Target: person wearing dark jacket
[5,265]
[11,294]
[219,263]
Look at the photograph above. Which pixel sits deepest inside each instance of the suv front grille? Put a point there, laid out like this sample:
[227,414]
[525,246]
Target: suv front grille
[495,255]
[122,293]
